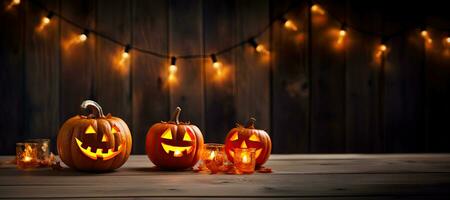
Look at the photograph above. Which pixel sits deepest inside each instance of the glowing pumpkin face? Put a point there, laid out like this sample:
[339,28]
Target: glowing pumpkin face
[94,142]
[174,144]
[249,137]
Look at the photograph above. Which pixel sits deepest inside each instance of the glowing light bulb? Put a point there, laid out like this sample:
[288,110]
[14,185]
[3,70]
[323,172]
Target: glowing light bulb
[125,55]
[45,20]
[173,69]
[217,65]
[15,2]
[382,47]
[83,37]
[447,40]
[290,25]
[424,33]
[317,9]
[261,49]
[342,33]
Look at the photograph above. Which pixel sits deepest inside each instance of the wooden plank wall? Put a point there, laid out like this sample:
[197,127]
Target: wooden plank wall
[311,95]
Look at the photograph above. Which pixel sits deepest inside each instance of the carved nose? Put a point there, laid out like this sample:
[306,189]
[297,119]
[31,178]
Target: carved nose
[243,145]
[104,138]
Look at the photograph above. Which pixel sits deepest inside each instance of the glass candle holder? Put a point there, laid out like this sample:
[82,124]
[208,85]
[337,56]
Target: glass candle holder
[213,157]
[43,148]
[26,155]
[244,160]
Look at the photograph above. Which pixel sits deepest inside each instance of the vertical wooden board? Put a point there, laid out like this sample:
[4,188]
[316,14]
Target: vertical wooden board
[327,84]
[11,75]
[42,73]
[437,73]
[404,92]
[112,73]
[290,81]
[363,67]
[150,93]
[186,38]
[252,76]
[77,57]
[219,31]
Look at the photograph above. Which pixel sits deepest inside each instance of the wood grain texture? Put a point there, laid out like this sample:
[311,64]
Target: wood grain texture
[290,80]
[41,73]
[219,32]
[252,94]
[77,58]
[327,85]
[150,90]
[362,73]
[12,66]
[295,176]
[186,37]
[112,72]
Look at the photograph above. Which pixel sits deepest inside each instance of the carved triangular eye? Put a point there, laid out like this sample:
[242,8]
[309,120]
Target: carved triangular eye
[167,134]
[254,138]
[187,137]
[90,130]
[114,130]
[234,137]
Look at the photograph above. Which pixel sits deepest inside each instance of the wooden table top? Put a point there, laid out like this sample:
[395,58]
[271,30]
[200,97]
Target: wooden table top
[337,176]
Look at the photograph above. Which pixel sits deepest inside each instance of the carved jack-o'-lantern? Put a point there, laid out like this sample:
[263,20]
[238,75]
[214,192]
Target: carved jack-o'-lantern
[174,144]
[249,137]
[94,142]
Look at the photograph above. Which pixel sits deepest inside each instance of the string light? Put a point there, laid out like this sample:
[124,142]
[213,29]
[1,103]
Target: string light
[447,39]
[317,9]
[126,52]
[426,36]
[13,3]
[289,24]
[45,21]
[83,36]
[173,65]
[216,64]
[342,34]
[258,47]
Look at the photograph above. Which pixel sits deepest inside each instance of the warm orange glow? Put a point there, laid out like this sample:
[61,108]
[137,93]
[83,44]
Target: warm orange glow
[243,145]
[245,158]
[90,130]
[342,33]
[125,55]
[217,65]
[261,49]
[173,69]
[382,47]
[341,37]
[12,3]
[290,25]
[177,150]
[317,9]
[104,138]
[447,40]
[44,22]
[82,37]
[424,33]
[212,155]
[99,153]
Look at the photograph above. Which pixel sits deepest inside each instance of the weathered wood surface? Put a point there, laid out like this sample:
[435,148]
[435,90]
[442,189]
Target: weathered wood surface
[309,95]
[346,176]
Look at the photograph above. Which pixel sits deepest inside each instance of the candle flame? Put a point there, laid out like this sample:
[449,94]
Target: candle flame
[177,153]
[245,159]
[212,155]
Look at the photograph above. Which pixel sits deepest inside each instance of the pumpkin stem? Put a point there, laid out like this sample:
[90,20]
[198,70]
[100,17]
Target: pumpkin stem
[251,123]
[93,107]
[176,116]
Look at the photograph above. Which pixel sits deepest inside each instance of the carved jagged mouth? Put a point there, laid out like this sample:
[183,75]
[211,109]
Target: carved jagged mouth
[257,153]
[177,150]
[99,153]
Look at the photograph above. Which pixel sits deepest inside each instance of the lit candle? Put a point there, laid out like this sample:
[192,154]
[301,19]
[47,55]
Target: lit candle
[26,155]
[245,160]
[213,157]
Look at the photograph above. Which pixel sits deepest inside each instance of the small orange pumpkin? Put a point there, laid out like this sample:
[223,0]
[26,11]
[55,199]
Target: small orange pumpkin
[94,142]
[249,137]
[174,144]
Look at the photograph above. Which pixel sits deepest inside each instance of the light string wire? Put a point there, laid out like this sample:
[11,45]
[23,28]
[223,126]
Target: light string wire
[278,18]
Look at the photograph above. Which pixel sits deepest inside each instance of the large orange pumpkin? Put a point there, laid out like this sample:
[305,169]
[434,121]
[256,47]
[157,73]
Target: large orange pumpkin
[174,144]
[94,142]
[249,137]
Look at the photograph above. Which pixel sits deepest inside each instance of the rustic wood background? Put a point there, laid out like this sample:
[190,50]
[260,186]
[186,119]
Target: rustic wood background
[309,95]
